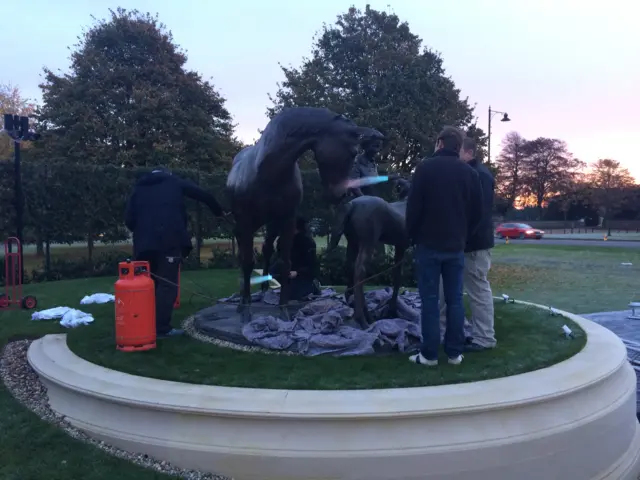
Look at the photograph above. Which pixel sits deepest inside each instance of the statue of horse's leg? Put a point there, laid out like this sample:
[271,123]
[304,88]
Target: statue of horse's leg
[397,278]
[245,248]
[285,243]
[352,254]
[267,252]
[362,315]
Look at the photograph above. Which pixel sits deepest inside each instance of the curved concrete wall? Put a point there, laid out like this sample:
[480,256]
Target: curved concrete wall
[575,420]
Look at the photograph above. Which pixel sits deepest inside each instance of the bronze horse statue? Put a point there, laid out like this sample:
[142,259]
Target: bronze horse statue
[367,221]
[264,185]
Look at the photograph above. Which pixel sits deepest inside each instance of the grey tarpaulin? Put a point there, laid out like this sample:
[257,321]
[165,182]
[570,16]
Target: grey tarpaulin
[324,326]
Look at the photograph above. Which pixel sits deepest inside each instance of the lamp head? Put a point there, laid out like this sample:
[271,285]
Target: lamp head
[505,118]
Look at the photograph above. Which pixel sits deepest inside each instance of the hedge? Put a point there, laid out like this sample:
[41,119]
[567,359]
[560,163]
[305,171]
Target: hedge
[333,269]
[66,203]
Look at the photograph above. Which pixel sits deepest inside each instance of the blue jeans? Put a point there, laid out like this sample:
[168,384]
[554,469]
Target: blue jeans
[430,266]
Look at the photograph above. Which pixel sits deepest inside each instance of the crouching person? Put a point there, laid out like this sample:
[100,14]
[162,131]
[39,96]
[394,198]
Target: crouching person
[304,263]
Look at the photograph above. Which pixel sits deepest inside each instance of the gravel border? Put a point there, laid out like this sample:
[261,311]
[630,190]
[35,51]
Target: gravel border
[25,386]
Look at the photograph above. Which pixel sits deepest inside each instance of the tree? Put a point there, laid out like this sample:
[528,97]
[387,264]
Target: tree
[570,193]
[510,165]
[610,184]
[547,168]
[371,68]
[12,101]
[129,100]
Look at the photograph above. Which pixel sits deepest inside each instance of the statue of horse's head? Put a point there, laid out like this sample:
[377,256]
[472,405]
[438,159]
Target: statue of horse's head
[335,150]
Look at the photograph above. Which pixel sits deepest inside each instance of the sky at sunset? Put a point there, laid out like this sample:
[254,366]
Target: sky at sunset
[564,69]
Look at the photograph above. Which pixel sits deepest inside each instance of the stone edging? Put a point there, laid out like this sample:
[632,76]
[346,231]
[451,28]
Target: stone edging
[528,426]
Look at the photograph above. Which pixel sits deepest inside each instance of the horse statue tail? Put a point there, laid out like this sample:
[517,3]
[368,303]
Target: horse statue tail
[338,226]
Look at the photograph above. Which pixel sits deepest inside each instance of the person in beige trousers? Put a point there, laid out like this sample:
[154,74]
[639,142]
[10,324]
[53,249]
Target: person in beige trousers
[477,263]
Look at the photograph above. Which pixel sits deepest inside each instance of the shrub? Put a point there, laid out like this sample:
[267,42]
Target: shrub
[333,268]
[222,259]
[191,262]
[105,264]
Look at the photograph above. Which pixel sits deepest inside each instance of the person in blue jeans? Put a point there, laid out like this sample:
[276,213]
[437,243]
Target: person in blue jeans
[444,207]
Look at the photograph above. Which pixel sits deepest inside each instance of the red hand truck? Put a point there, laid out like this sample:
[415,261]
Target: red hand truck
[12,297]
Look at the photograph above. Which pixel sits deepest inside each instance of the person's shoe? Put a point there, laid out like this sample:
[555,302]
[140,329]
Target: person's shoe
[174,332]
[456,360]
[421,360]
[474,347]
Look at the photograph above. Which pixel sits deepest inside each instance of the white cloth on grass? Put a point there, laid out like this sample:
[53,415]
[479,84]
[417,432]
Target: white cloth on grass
[69,317]
[98,298]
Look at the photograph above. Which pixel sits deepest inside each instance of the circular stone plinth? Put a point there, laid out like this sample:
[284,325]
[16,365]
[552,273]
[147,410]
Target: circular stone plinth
[223,322]
[575,419]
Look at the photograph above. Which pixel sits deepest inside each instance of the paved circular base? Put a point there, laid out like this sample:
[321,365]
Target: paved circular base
[573,420]
[223,322]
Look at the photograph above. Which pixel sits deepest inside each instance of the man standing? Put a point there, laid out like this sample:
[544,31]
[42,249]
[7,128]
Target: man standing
[157,217]
[443,208]
[477,259]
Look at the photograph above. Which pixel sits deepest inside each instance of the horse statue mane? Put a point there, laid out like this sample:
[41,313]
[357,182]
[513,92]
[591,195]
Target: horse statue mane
[296,121]
[282,132]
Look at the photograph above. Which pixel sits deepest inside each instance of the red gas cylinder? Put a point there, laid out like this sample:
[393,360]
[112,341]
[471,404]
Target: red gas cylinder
[135,308]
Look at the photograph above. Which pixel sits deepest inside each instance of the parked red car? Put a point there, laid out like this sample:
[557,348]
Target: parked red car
[518,230]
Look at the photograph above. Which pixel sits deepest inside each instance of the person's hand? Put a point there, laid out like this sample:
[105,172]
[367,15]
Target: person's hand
[293,274]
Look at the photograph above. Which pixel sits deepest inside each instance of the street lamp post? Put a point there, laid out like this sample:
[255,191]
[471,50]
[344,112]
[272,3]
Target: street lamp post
[505,118]
[18,129]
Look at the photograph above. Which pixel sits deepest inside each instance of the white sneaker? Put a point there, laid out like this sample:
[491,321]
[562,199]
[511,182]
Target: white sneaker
[421,360]
[456,360]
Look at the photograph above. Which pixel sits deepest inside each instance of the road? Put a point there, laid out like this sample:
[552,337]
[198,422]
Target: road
[575,243]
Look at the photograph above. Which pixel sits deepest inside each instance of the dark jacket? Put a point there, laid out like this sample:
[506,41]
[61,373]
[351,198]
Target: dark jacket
[444,204]
[157,215]
[483,238]
[304,256]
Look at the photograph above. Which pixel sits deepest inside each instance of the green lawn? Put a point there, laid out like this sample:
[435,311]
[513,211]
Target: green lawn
[577,279]
[529,339]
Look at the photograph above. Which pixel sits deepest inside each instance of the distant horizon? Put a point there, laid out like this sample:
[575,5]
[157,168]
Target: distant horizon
[573,80]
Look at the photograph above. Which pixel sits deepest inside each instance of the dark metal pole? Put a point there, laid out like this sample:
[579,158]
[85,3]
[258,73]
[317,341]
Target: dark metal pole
[489,139]
[19,197]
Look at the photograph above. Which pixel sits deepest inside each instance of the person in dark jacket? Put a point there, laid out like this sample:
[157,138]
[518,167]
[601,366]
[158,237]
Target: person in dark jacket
[477,262]
[304,263]
[444,208]
[157,217]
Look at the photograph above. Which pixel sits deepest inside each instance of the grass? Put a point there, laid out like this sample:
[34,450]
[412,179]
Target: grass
[529,339]
[597,236]
[577,279]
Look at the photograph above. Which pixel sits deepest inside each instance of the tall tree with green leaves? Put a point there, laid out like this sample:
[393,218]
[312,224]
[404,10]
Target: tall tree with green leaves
[610,185]
[510,164]
[548,169]
[129,100]
[12,101]
[371,68]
